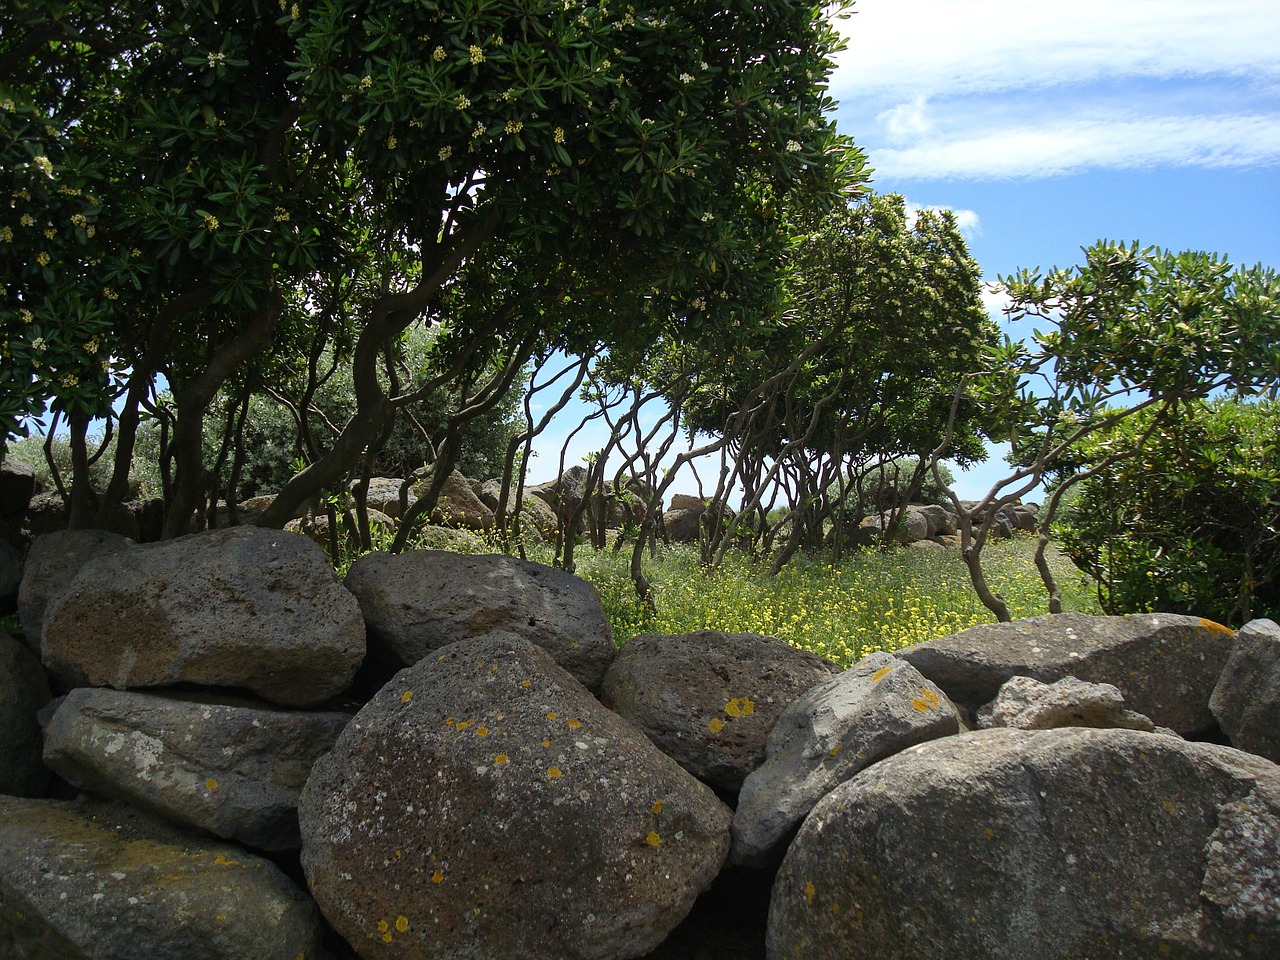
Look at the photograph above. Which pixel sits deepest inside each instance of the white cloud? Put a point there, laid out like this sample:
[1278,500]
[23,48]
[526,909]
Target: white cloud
[968,221]
[908,120]
[900,48]
[1056,147]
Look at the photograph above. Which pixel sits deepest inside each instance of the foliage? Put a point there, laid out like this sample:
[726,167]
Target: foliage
[1145,327]
[1192,524]
[884,486]
[190,185]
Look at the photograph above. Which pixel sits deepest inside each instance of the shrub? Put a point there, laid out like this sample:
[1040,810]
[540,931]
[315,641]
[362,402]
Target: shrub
[1192,524]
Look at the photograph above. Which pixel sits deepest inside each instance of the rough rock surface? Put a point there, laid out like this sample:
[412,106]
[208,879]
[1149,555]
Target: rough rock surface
[1059,845]
[10,577]
[1165,665]
[419,601]
[23,691]
[709,699]
[245,607]
[1246,700]
[874,709]
[485,805]
[1070,702]
[232,769]
[52,563]
[89,881]
[17,487]
[384,495]
[457,505]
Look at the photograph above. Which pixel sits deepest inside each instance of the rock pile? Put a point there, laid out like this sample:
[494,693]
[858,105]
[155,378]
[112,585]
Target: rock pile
[1012,791]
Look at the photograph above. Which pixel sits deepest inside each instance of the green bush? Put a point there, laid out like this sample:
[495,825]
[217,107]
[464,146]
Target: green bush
[1192,524]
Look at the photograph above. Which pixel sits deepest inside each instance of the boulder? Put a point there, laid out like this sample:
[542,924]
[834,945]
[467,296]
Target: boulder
[23,691]
[384,496]
[1165,665]
[684,501]
[419,601]
[85,881]
[53,561]
[683,526]
[317,528]
[10,577]
[1246,700]
[709,699]
[457,505]
[246,607]
[17,487]
[877,707]
[941,521]
[1058,845]
[232,768]
[490,494]
[484,804]
[47,513]
[542,517]
[1031,705]
[248,511]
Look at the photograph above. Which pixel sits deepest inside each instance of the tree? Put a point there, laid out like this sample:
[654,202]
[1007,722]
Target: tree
[523,173]
[1130,331]
[1191,524]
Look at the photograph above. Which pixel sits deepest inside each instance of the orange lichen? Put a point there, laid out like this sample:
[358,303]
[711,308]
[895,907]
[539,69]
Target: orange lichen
[653,839]
[438,877]
[406,696]
[881,674]
[1214,627]
[928,700]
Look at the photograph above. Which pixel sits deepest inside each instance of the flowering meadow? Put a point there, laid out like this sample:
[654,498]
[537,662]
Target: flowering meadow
[871,601]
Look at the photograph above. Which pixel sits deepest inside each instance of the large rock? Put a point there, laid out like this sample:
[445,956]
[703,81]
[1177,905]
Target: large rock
[93,881]
[17,487]
[483,804]
[1058,845]
[1031,705]
[683,526]
[230,768]
[23,691]
[245,607]
[709,699]
[10,577]
[1246,700]
[1165,665]
[874,709]
[419,601]
[53,561]
[457,505]
[384,496]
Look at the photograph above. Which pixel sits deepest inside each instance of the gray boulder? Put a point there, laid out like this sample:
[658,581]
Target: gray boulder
[24,690]
[457,505]
[1165,665]
[874,709]
[94,881]
[1070,702]
[17,487]
[230,768]
[484,804]
[1246,700]
[683,526]
[419,601]
[246,607]
[10,577]
[384,496]
[1058,845]
[53,561]
[709,699]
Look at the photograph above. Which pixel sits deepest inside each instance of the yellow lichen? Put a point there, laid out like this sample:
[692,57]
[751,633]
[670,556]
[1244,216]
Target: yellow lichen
[463,724]
[406,696]
[989,833]
[653,839]
[402,924]
[716,725]
[437,877]
[482,731]
[526,683]
[221,861]
[657,806]
[547,744]
[835,751]
[554,772]
[211,784]
[500,759]
[740,707]
[573,724]
[552,715]
[881,674]
[928,700]
[1214,627]
[809,892]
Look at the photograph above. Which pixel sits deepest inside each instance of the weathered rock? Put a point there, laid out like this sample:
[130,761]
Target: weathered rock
[1165,665]
[1246,700]
[419,601]
[246,607]
[542,517]
[47,513]
[483,804]
[17,487]
[89,881]
[683,526]
[1028,704]
[230,768]
[248,511]
[684,501]
[53,561]
[317,528]
[490,494]
[23,691]
[877,707]
[457,505]
[384,495]
[709,699]
[1060,845]
[941,521]
[10,577]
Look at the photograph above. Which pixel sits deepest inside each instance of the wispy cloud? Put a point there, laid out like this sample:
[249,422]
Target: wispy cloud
[968,221]
[1008,88]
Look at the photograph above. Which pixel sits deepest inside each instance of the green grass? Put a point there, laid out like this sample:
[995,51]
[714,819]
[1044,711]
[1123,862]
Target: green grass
[871,601]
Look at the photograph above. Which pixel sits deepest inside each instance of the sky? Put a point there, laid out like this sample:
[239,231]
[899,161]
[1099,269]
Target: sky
[1046,125]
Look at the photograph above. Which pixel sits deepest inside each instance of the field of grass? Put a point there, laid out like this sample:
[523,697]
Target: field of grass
[871,601]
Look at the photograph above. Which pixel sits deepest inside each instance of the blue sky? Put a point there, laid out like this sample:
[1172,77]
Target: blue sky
[1048,125]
